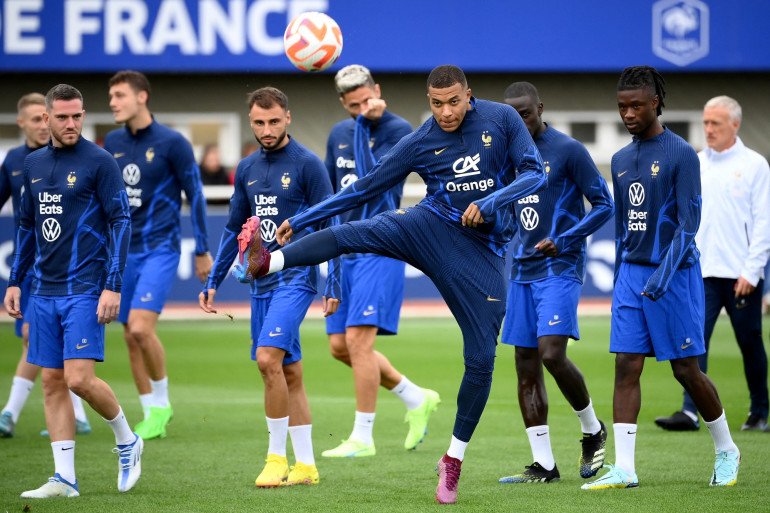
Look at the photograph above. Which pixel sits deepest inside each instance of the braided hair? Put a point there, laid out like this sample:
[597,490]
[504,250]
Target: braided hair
[644,77]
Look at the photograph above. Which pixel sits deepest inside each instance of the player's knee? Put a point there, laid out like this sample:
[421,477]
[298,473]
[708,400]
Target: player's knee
[478,369]
[138,334]
[268,365]
[340,352]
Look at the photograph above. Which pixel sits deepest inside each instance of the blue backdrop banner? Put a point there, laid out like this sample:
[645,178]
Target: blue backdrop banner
[392,36]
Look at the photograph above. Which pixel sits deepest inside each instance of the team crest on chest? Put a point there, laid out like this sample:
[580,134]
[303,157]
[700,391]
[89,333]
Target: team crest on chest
[547,166]
[486,139]
[71,178]
[286,180]
[149,154]
[655,168]
[371,142]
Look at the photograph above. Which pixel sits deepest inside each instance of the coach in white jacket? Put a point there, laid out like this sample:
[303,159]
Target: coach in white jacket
[734,241]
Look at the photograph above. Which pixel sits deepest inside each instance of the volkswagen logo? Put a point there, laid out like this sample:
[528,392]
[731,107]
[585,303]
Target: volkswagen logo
[267,229]
[131,174]
[529,218]
[51,229]
[636,194]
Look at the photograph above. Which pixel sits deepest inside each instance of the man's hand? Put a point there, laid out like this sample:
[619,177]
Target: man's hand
[547,247]
[203,265]
[284,233]
[109,306]
[472,216]
[330,306]
[206,300]
[12,302]
[743,287]
[373,108]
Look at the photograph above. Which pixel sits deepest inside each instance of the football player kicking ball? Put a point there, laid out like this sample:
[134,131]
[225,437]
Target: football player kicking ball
[467,153]
[280,179]
[75,225]
[546,275]
[658,300]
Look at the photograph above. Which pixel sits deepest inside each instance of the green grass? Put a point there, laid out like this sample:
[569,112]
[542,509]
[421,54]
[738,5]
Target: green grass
[217,441]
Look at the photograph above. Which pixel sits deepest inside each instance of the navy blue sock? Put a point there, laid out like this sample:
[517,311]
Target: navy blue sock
[312,249]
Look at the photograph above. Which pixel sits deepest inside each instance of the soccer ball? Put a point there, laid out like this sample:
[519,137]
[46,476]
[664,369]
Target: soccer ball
[312,41]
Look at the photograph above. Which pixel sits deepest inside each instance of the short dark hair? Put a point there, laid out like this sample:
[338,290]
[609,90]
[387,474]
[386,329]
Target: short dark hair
[135,79]
[644,77]
[29,99]
[518,89]
[61,92]
[266,97]
[445,76]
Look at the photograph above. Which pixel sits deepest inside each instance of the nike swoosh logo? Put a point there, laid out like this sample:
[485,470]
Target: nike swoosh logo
[81,347]
[369,312]
[253,182]
[15,173]
[343,146]
[489,298]
[553,323]
[35,180]
[439,151]
[276,334]
[145,299]
[541,434]
[67,448]
[118,155]
[621,174]
[632,432]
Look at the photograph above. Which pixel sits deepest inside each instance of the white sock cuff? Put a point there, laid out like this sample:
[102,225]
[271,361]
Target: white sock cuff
[542,428]
[276,262]
[586,409]
[18,380]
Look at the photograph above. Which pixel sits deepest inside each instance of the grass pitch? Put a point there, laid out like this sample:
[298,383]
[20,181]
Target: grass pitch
[218,441]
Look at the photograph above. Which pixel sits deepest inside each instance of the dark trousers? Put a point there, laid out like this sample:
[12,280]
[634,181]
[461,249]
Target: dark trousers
[745,315]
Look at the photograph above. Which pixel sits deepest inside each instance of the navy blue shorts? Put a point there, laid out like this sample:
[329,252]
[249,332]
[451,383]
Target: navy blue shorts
[372,293]
[540,308]
[669,328]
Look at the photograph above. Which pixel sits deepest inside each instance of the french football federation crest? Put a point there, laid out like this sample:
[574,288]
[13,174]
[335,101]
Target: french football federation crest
[149,154]
[680,30]
[71,179]
[286,180]
[655,168]
[486,138]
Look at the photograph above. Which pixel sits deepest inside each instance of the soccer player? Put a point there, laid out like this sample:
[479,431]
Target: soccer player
[279,180]
[467,153]
[734,239]
[30,108]
[372,285]
[75,225]
[548,264]
[657,302]
[157,164]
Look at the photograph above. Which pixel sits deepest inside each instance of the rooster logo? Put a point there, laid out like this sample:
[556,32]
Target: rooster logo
[286,180]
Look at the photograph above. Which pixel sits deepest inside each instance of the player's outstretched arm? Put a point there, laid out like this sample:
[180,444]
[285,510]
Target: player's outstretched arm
[12,302]
[206,300]
[109,306]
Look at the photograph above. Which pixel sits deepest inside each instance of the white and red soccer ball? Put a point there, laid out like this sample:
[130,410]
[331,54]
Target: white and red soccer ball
[312,41]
